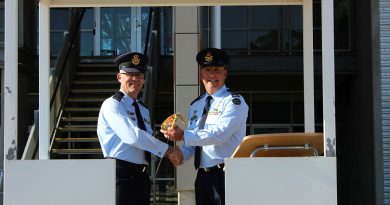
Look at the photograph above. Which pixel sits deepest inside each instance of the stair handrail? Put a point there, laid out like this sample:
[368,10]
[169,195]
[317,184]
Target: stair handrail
[31,145]
[152,51]
[69,52]
[70,39]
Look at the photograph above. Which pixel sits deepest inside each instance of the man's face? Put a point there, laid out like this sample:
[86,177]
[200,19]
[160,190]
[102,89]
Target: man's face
[213,78]
[131,83]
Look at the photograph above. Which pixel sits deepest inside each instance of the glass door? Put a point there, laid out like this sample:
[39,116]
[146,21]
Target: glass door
[118,30]
[113,31]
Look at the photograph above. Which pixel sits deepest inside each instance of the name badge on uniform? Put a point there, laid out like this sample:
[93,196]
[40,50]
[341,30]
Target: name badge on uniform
[131,115]
[194,117]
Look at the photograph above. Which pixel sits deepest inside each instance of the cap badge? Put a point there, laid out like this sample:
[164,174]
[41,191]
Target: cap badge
[209,57]
[136,60]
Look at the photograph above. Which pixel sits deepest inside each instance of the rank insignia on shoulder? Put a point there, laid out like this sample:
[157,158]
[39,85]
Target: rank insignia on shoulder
[118,96]
[236,101]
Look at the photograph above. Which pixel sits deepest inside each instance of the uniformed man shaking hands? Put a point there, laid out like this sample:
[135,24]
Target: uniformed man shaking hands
[125,132]
[216,126]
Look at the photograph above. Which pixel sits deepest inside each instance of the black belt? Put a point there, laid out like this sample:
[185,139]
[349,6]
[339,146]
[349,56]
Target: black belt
[216,167]
[130,165]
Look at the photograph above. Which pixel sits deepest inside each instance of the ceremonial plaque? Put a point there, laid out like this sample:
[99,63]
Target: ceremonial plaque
[174,120]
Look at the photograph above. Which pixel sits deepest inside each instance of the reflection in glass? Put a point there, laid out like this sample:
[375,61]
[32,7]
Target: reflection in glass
[115,30]
[296,39]
[265,40]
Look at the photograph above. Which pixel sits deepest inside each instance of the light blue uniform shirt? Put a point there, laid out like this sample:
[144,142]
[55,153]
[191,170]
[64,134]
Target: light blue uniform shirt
[119,134]
[224,129]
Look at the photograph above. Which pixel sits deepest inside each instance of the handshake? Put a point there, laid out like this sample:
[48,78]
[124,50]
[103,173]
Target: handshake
[173,129]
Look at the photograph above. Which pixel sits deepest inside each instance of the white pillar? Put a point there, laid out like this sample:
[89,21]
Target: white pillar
[215,26]
[186,87]
[96,48]
[44,71]
[10,89]
[308,65]
[328,79]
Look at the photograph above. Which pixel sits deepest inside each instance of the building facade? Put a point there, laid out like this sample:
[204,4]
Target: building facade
[266,48]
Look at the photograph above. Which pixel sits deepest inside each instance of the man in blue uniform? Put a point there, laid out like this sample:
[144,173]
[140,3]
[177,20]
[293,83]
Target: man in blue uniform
[125,132]
[216,126]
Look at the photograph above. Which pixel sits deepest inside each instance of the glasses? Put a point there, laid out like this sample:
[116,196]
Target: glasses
[212,70]
[131,75]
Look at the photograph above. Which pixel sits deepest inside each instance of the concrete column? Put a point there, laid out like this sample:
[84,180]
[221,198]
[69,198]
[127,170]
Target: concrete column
[44,71]
[10,88]
[308,65]
[215,28]
[328,79]
[186,82]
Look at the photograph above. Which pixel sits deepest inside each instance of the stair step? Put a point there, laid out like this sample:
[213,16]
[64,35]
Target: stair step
[94,90]
[77,129]
[95,82]
[79,119]
[96,73]
[90,139]
[112,66]
[77,151]
[82,109]
[86,99]
[96,59]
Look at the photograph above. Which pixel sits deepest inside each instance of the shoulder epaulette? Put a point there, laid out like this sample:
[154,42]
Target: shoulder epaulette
[236,97]
[142,103]
[196,99]
[234,93]
[118,96]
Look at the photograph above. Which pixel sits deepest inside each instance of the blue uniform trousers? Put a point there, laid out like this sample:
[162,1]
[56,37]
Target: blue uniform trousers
[132,184]
[210,187]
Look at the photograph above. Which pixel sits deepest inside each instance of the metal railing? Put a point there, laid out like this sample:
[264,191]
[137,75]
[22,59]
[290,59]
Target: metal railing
[65,62]
[30,149]
[66,67]
[152,51]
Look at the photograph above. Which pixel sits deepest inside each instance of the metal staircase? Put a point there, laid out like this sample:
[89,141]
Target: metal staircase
[75,136]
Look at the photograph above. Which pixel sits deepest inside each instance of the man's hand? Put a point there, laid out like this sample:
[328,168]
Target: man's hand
[175,156]
[173,134]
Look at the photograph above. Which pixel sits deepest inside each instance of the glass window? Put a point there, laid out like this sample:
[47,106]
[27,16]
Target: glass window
[234,17]
[56,42]
[234,40]
[86,46]
[296,21]
[115,30]
[265,40]
[87,33]
[144,25]
[204,16]
[277,28]
[88,20]
[268,130]
[1,26]
[271,108]
[298,109]
[62,14]
[265,16]
[342,24]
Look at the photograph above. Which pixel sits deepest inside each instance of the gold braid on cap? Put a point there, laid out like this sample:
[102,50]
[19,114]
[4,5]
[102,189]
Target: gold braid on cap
[209,57]
[136,60]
